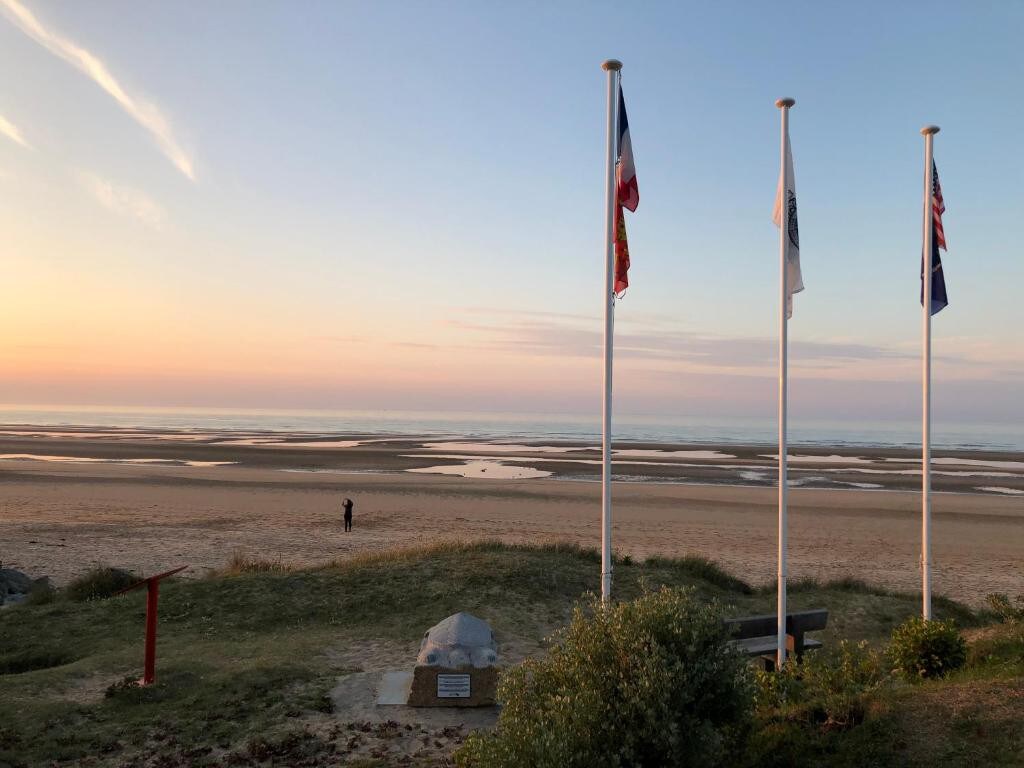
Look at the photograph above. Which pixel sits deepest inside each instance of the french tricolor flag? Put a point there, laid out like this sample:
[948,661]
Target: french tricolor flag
[628,197]
[629,193]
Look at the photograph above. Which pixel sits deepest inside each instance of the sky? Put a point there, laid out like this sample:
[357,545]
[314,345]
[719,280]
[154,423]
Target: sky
[397,205]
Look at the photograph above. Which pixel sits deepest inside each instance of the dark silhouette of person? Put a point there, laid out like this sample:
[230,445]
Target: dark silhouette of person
[347,505]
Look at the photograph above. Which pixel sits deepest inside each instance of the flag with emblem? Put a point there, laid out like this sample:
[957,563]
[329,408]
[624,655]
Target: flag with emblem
[784,216]
[939,300]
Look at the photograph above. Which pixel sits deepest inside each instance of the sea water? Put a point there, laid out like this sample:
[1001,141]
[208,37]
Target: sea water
[674,429]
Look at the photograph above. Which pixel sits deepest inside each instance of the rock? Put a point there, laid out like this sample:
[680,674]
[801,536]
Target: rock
[456,665]
[460,640]
[14,582]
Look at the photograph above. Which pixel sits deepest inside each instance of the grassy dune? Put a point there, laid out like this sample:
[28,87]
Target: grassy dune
[247,657]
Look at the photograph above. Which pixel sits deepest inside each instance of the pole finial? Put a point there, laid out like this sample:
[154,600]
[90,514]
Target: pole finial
[612,65]
[930,130]
[785,103]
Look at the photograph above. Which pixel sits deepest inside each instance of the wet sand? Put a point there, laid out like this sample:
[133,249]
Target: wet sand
[59,519]
[989,472]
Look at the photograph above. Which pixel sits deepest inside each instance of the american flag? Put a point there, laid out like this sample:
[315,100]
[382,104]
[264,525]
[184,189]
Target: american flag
[940,299]
[938,208]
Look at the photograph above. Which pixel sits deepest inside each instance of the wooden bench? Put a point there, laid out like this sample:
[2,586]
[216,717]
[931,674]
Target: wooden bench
[757,635]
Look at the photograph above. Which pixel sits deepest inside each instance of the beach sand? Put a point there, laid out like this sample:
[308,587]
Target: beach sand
[59,519]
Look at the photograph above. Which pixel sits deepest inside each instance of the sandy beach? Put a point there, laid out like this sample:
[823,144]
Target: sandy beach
[61,517]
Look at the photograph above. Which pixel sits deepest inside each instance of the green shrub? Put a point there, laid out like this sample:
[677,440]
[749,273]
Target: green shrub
[99,583]
[648,682]
[925,649]
[42,593]
[826,688]
[1005,609]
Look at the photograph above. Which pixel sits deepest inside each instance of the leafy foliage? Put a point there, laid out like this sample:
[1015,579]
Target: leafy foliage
[647,682]
[826,688]
[926,649]
[247,656]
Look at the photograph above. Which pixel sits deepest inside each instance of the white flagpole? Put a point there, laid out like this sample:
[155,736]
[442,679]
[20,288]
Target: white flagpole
[784,106]
[612,67]
[928,132]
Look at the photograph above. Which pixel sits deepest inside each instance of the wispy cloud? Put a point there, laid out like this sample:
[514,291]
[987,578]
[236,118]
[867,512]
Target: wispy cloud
[10,130]
[659,347]
[148,115]
[123,200]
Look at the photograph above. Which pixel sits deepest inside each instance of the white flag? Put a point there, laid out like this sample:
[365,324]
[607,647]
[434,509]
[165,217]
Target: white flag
[785,200]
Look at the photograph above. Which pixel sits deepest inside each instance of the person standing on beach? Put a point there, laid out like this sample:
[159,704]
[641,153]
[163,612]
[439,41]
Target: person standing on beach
[347,505]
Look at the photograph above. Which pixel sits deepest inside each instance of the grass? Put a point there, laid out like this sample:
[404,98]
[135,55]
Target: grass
[99,583]
[245,662]
[965,720]
[241,563]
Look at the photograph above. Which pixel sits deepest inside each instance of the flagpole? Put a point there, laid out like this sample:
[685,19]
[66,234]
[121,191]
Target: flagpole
[612,67]
[927,266]
[784,106]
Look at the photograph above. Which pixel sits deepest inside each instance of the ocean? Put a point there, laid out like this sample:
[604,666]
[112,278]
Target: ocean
[522,426]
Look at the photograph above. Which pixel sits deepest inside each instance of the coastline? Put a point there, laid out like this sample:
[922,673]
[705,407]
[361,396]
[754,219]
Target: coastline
[60,518]
[827,466]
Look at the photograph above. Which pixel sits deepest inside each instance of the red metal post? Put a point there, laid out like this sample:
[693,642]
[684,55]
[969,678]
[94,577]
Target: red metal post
[152,594]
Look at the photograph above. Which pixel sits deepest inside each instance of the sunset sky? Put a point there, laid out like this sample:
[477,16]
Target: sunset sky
[400,205]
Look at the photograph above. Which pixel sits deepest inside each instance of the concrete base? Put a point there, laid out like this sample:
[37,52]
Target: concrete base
[393,689]
[483,683]
[355,700]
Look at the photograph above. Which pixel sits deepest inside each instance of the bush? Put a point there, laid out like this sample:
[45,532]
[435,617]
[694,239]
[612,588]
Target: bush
[42,593]
[826,688]
[926,649]
[648,682]
[1006,611]
[99,583]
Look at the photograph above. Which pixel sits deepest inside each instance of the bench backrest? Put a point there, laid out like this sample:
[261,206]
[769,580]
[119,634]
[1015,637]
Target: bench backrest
[797,623]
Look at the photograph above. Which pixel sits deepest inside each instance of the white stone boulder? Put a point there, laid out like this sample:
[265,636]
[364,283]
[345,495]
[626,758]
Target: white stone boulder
[460,640]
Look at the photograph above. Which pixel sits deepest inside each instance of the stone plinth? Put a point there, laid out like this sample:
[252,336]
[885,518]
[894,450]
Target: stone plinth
[459,687]
[456,665]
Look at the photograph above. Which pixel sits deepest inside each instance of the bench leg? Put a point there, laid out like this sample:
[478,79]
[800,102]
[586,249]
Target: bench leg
[795,646]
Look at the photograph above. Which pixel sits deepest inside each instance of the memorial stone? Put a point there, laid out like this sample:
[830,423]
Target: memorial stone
[456,665]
